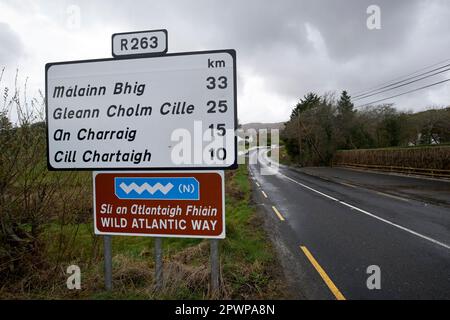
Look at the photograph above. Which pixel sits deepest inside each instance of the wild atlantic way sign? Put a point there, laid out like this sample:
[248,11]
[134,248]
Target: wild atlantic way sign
[160,204]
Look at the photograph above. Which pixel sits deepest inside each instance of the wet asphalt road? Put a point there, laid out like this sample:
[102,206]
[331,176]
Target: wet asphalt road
[346,229]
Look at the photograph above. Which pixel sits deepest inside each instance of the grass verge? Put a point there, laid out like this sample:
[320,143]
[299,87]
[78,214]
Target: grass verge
[249,268]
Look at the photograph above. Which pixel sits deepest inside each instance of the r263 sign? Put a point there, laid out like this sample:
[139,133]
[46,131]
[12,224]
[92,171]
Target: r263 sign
[139,43]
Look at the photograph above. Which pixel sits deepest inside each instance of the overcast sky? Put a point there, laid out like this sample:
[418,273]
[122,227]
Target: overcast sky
[284,48]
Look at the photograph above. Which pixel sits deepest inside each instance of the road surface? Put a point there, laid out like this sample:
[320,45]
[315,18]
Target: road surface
[328,234]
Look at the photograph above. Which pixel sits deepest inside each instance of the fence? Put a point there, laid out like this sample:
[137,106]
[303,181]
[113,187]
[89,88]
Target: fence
[430,161]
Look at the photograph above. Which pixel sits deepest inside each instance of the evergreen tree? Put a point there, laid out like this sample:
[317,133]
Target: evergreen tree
[345,119]
[345,106]
[309,101]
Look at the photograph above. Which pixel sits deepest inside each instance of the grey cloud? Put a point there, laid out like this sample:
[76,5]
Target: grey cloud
[271,37]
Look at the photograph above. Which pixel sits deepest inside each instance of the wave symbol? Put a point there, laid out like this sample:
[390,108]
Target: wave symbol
[146,187]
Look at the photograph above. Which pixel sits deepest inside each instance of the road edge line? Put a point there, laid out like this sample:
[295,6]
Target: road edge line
[278,213]
[330,284]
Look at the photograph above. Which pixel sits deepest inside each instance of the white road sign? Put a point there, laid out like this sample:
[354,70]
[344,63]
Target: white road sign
[169,112]
[139,43]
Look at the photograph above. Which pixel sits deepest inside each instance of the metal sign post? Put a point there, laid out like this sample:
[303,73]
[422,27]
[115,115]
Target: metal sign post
[158,264]
[107,250]
[215,267]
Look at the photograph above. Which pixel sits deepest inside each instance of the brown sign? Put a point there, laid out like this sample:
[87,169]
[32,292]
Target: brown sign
[162,204]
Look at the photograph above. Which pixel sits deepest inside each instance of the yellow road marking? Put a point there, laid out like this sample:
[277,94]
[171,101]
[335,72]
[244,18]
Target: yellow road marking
[264,194]
[278,213]
[323,274]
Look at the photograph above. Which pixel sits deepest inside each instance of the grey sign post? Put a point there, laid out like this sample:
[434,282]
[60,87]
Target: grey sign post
[215,266]
[107,249]
[158,263]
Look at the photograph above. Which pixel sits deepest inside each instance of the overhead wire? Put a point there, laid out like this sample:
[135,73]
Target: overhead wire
[390,82]
[403,93]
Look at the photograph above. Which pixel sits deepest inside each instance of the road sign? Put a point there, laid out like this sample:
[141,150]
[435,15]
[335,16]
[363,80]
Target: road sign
[188,204]
[150,42]
[169,112]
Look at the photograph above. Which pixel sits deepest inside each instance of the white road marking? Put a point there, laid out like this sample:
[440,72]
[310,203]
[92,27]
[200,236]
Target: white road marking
[392,196]
[370,214]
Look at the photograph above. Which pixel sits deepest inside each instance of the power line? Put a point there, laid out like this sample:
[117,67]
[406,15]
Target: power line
[401,94]
[401,85]
[377,87]
[360,96]
[406,75]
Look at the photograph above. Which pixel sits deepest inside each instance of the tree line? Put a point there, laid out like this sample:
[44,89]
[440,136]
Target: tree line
[321,125]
